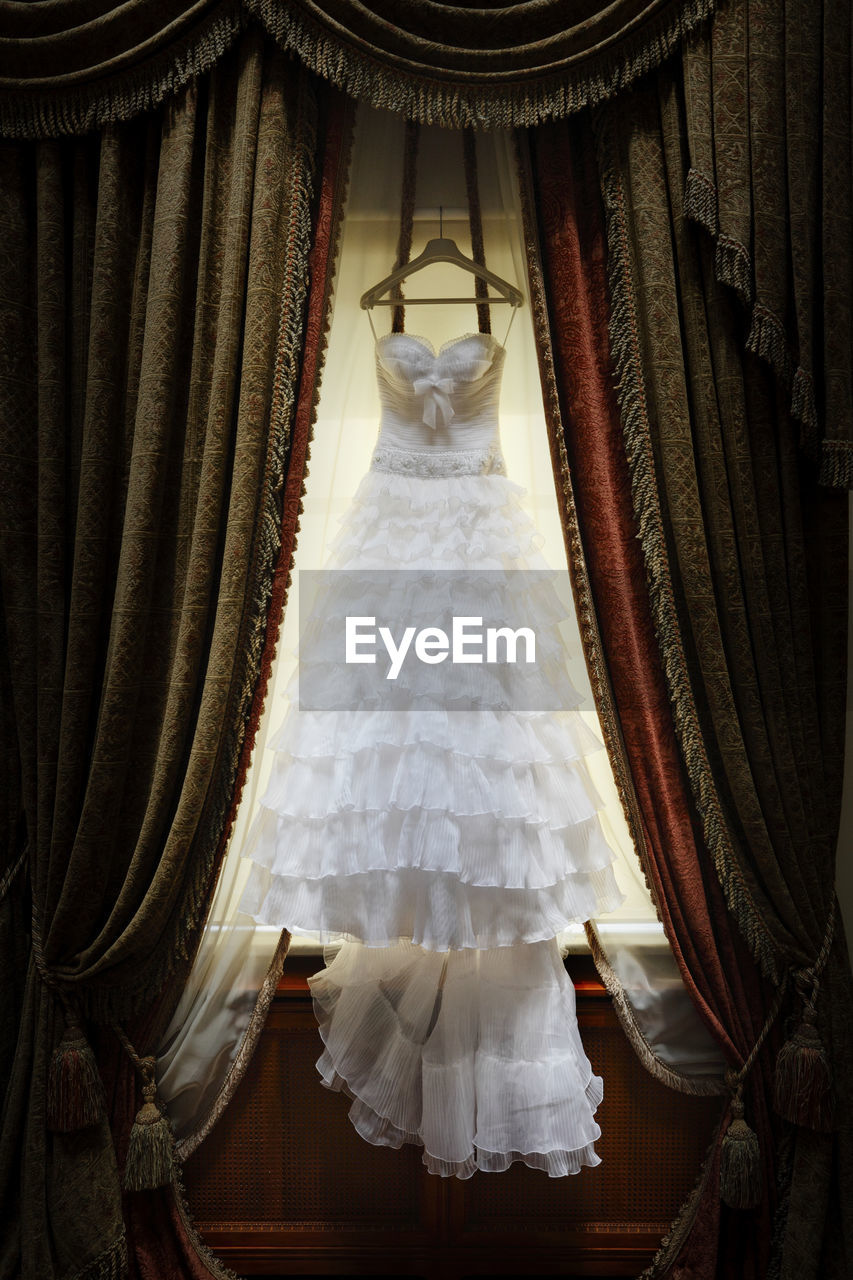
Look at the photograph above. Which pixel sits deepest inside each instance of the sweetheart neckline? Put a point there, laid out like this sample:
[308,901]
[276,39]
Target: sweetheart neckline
[430,346]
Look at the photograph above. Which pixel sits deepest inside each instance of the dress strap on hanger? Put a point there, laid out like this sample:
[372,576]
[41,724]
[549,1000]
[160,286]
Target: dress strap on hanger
[407,218]
[509,326]
[475,219]
[411,147]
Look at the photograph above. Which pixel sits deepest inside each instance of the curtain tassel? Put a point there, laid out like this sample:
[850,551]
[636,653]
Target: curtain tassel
[802,1085]
[151,1151]
[75,1093]
[741,1174]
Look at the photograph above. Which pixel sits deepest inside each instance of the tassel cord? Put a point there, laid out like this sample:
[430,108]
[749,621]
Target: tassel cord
[802,1085]
[75,1092]
[150,1159]
[740,1155]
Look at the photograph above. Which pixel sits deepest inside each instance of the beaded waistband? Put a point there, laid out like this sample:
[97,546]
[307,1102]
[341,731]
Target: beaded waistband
[437,463]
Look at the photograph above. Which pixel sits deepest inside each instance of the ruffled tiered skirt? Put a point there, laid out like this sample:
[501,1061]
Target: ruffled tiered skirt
[445,848]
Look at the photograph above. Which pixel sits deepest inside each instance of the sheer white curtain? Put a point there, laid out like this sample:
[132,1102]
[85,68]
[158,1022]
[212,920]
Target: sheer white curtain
[208,1033]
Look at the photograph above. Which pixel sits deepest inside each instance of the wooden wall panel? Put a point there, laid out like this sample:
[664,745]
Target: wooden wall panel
[284,1185]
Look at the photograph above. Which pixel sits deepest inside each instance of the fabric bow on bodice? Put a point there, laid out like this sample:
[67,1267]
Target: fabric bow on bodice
[439,400]
[436,392]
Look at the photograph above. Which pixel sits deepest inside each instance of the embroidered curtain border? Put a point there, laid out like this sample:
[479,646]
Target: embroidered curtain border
[580,65]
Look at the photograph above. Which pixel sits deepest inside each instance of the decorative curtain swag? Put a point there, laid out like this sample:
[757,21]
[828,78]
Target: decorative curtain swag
[81,63]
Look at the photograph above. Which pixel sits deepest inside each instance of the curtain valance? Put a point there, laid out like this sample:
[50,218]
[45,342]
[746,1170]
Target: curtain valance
[72,65]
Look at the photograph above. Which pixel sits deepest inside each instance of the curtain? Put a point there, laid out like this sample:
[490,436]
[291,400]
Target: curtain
[746,559]
[767,114]
[81,63]
[568,256]
[718,574]
[154,281]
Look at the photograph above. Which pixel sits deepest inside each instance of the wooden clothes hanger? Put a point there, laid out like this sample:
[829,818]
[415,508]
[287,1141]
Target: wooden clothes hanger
[441,248]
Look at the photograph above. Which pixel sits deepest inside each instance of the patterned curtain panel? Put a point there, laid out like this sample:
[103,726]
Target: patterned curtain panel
[767,119]
[742,606]
[567,264]
[80,63]
[153,291]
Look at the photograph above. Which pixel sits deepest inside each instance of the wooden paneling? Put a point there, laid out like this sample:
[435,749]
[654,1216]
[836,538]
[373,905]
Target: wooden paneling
[284,1185]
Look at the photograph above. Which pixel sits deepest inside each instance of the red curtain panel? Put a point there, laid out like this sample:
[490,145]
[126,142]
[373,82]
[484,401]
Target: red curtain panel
[569,268]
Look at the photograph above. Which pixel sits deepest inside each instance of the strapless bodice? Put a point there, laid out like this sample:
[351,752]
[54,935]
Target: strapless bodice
[439,408]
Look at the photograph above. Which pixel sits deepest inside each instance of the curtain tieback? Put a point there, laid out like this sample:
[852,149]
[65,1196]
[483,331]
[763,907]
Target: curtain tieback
[75,1091]
[741,1180]
[802,1085]
[150,1159]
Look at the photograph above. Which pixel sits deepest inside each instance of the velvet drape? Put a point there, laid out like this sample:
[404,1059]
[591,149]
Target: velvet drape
[718,571]
[153,293]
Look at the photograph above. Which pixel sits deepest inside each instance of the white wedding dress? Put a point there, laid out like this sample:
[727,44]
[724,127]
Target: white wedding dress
[445,847]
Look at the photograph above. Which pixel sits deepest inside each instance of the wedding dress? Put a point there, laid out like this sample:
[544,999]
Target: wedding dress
[445,846]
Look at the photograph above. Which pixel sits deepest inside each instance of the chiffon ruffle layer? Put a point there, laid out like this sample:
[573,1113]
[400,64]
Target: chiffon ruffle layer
[475,1055]
[453,828]
[447,846]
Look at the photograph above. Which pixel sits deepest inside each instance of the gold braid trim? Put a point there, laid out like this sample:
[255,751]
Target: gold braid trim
[630,387]
[698,1086]
[464,100]
[185,1147]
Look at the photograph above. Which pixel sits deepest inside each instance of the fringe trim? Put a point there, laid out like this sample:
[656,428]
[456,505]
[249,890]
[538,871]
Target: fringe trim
[112,1264]
[624,341]
[215,1266]
[836,463]
[88,106]
[434,95]
[700,201]
[431,95]
[186,1146]
[698,1086]
[766,338]
[587,620]
[733,266]
[676,1238]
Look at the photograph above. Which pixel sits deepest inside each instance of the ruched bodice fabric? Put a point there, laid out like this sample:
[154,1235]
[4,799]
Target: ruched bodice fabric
[440,402]
[446,847]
